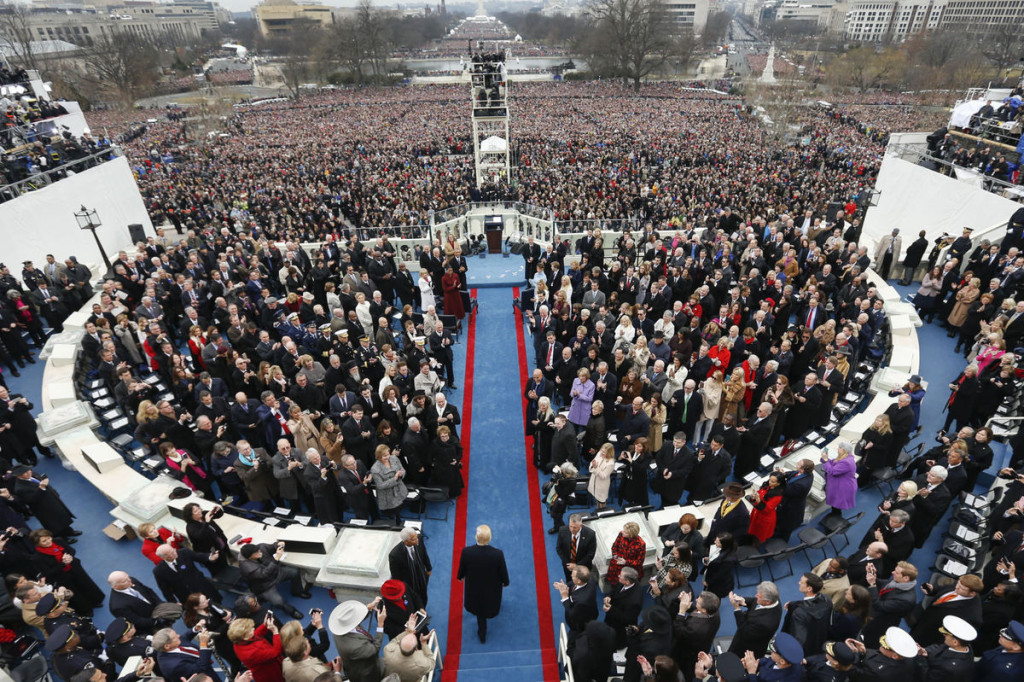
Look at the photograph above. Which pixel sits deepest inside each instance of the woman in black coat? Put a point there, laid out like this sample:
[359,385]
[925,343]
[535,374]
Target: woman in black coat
[446,460]
[55,560]
[205,535]
[902,498]
[634,485]
[875,444]
[963,399]
[542,427]
[198,607]
[685,532]
[595,433]
[719,565]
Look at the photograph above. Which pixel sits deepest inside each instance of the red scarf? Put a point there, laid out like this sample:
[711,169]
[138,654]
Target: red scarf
[56,551]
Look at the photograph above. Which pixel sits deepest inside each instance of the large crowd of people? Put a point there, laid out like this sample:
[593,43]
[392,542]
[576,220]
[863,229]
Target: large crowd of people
[728,324]
[733,341]
[379,158]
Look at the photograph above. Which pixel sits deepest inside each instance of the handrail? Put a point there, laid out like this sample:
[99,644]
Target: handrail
[16,189]
[902,150]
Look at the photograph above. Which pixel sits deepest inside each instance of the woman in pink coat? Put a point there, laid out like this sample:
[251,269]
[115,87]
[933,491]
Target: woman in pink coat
[840,479]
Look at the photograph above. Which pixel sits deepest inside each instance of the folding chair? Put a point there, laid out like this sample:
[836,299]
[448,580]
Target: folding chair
[748,557]
[436,494]
[812,538]
[779,551]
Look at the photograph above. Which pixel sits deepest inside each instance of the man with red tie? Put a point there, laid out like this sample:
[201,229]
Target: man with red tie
[550,356]
[813,316]
[273,413]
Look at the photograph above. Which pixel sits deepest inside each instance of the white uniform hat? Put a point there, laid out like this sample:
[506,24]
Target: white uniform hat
[899,641]
[959,628]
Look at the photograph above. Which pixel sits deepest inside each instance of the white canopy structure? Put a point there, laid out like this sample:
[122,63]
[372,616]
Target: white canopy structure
[494,144]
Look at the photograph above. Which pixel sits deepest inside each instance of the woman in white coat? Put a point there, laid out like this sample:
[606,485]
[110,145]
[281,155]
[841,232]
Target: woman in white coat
[426,291]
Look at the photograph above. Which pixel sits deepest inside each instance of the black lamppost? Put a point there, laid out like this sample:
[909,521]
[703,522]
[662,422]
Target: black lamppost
[88,220]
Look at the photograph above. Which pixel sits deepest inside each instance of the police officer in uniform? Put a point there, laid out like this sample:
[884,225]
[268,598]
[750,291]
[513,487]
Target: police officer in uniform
[32,277]
[68,656]
[784,662]
[8,282]
[892,661]
[56,613]
[123,642]
[953,660]
[1005,663]
[832,665]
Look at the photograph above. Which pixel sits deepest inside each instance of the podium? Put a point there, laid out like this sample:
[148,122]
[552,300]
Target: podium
[493,233]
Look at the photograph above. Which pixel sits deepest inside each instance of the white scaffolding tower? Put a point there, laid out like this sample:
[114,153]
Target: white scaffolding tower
[491,143]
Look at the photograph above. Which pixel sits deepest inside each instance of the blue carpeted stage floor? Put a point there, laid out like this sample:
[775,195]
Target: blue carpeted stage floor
[502,492]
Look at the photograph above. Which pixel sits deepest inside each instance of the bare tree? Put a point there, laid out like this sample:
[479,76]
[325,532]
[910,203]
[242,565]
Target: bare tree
[376,39]
[14,28]
[122,64]
[627,39]
[1003,46]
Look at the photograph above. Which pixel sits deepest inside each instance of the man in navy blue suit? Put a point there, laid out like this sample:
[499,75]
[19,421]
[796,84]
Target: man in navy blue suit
[179,662]
[790,515]
[274,415]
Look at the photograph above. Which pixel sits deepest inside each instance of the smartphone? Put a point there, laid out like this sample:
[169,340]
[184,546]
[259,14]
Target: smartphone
[422,622]
[269,616]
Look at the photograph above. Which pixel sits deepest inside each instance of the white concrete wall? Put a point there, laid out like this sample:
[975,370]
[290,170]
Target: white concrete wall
[43,221]
[914,198]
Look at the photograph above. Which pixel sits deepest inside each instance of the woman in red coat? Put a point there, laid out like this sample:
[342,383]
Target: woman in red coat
[765,501]
[452,285]
[262,656]
[629,549]
[153,537]
[719,355]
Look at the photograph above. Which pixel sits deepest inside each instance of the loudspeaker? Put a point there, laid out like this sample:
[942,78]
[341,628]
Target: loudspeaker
[137,233]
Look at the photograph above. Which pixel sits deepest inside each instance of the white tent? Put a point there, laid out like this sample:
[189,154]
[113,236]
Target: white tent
[493,144]
[961,116]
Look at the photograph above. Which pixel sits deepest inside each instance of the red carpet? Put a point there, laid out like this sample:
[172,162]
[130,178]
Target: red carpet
[453,650]
[549,652]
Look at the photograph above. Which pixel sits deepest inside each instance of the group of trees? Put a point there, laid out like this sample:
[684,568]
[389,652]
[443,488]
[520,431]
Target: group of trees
[942,59]
[635,39]
[355,49]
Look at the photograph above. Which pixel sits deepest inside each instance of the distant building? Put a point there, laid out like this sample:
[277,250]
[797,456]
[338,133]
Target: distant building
[84,26]
[278,17]
[877,20]
[691,15]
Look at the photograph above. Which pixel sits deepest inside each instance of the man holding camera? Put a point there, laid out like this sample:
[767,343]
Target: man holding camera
[261,569]
[408,656]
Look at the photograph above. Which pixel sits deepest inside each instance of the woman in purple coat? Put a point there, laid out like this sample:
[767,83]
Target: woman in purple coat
[582,395]
[840,479]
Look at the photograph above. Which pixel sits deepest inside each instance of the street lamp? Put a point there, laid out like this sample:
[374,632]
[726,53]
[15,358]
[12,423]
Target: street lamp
[88,220]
